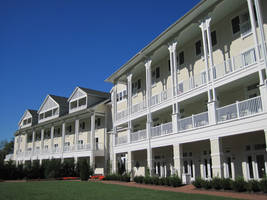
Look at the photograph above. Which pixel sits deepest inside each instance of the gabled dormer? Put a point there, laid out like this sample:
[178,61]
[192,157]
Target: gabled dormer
[29,118]
[83,98]
[52,107]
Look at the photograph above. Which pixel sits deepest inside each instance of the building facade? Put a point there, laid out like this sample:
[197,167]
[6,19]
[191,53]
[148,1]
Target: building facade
[193,102]
[66,128]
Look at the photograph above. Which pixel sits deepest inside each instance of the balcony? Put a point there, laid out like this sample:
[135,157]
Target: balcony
[161,97]
[239,109]
[194,121]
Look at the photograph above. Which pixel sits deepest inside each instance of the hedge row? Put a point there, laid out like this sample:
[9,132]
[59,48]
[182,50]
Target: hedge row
[49,169]
[238,185]
[174,181]
[116,177]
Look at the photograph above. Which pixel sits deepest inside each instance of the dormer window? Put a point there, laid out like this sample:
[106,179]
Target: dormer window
[27,121]
[78,104]
[49,113]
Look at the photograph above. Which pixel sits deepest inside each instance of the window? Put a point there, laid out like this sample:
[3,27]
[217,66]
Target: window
[69,128]
[122,95]
[136,86]
[73,104]
[55,145]
[66,144]
[24,121]
[213,38]
[198,47]
[236,24]
[98,122]
[48,113]
[82,125]
[80,142]
[41,115]
[181,58]
[82,101]
[155,75]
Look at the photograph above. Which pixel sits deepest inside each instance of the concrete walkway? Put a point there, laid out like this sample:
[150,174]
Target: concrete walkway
[192,190]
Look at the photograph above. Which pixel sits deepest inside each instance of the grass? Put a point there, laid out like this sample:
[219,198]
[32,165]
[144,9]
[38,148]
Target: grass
[71,190]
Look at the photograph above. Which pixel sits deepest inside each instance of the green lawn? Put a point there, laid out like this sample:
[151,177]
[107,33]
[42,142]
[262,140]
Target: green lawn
[65,190]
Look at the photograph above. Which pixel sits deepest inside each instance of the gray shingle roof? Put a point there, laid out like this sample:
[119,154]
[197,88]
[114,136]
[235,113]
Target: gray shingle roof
[96,92]
[62,101]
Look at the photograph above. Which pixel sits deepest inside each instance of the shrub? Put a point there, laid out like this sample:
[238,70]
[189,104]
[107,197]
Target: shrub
[125,178]
[175,181]
[217,183]
[227,184]
[168,181]
[162,181]
[139,179]
[198,182]
[207,184]
[148,180]
[155,180]
[239,185]
[84,170]
[263,185]
[253,185]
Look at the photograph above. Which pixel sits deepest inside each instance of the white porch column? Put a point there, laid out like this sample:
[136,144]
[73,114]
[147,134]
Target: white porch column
[216,157]
[25,144]
[63,136]
[114,102]
[42,140]
[265,136]
[175,106]
[178,159]
[76,136]
[92,154]
[114,164]
[204,42]
[260,24]
[129,162]
[52,138]
[129,105]
[150,160]
[33,141]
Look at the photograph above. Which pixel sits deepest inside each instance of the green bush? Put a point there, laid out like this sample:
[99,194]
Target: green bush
[227,184]
[155,180]
[175,181]
[168,181]
[198,182]
[239,185]
[125,178]
[263,185]
[253,185]
[217,183]
[207,184]
[162,181]
[84,170]
[148,180]
[139,179]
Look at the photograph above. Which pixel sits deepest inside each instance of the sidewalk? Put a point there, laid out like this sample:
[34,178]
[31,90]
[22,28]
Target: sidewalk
[191,190]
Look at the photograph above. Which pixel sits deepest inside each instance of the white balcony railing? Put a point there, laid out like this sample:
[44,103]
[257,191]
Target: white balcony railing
[138,135]
[139,107]
[240,109]
[121,140]
[162,129]
[193,121]
[122,114]
[161,97]
[235,63]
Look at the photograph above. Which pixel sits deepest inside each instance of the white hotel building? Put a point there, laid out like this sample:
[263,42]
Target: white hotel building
[193,102]
[63,128]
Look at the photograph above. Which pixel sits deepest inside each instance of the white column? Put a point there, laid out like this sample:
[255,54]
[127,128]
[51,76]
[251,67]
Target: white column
[113,154]
[148,82]
[175,106]
[25,144]
[204,42]
[76,136]
[114,101]
[63,137]
[42,140]
[129,105]
[216,157]
[129,160]
[33,141]
[150,160]
[92,154]
[52,138]
[260,24]
[114,165]
[178,159]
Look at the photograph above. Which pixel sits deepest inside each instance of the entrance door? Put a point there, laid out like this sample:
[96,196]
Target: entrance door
[260,165]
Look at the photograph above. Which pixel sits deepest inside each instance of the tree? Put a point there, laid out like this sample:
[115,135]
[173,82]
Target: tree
[6,148]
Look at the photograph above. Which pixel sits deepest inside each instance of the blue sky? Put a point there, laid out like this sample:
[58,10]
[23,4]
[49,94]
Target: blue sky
[52,46]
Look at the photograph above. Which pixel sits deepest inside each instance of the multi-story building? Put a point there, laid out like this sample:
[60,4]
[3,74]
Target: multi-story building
[62,128]
[194,100]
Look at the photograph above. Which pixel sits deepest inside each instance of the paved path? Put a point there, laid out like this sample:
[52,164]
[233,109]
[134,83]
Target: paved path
[191,189]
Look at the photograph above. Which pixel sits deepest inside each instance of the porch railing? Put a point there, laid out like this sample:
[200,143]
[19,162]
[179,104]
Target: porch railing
[139,107]
[122,114]
[240,109]
[161,97]
[193,121]
[162,129]
[138,135]
[121,140]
